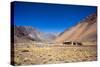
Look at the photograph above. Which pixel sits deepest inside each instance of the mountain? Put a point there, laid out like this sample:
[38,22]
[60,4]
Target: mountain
[28,33]
[85,30]
[48,37]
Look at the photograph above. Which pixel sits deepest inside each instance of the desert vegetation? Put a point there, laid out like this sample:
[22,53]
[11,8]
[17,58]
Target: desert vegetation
[32,54]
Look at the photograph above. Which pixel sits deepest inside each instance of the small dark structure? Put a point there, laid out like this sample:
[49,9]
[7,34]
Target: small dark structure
[78,43]
[67,43]
[72,43]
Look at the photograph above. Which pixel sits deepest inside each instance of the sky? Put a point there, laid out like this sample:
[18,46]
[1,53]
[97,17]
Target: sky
[50,17]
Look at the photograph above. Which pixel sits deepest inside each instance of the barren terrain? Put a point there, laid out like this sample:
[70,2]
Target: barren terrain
[31,54]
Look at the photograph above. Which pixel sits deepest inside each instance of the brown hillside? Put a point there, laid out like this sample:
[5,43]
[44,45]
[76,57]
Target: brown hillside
[86,30]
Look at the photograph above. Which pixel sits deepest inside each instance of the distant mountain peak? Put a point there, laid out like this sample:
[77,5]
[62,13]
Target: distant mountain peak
[28,33]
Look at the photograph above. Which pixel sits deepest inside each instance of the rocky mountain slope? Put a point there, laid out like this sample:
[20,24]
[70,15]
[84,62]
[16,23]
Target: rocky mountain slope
[28,33]
[86,30]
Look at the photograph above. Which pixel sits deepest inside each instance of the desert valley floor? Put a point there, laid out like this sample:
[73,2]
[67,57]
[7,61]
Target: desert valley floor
[31,54]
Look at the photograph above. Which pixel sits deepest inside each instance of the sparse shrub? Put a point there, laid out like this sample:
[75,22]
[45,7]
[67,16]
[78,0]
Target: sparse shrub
[25,51]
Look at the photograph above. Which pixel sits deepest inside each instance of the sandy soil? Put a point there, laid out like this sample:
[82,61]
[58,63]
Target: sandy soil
[30,54]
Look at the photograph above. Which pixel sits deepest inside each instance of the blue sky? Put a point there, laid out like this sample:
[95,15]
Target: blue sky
[50,17]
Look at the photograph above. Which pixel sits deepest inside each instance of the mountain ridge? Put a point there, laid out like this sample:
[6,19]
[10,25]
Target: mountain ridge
[80,32]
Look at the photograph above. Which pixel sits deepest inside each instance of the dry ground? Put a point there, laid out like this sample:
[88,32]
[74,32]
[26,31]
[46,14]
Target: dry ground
[30,54]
